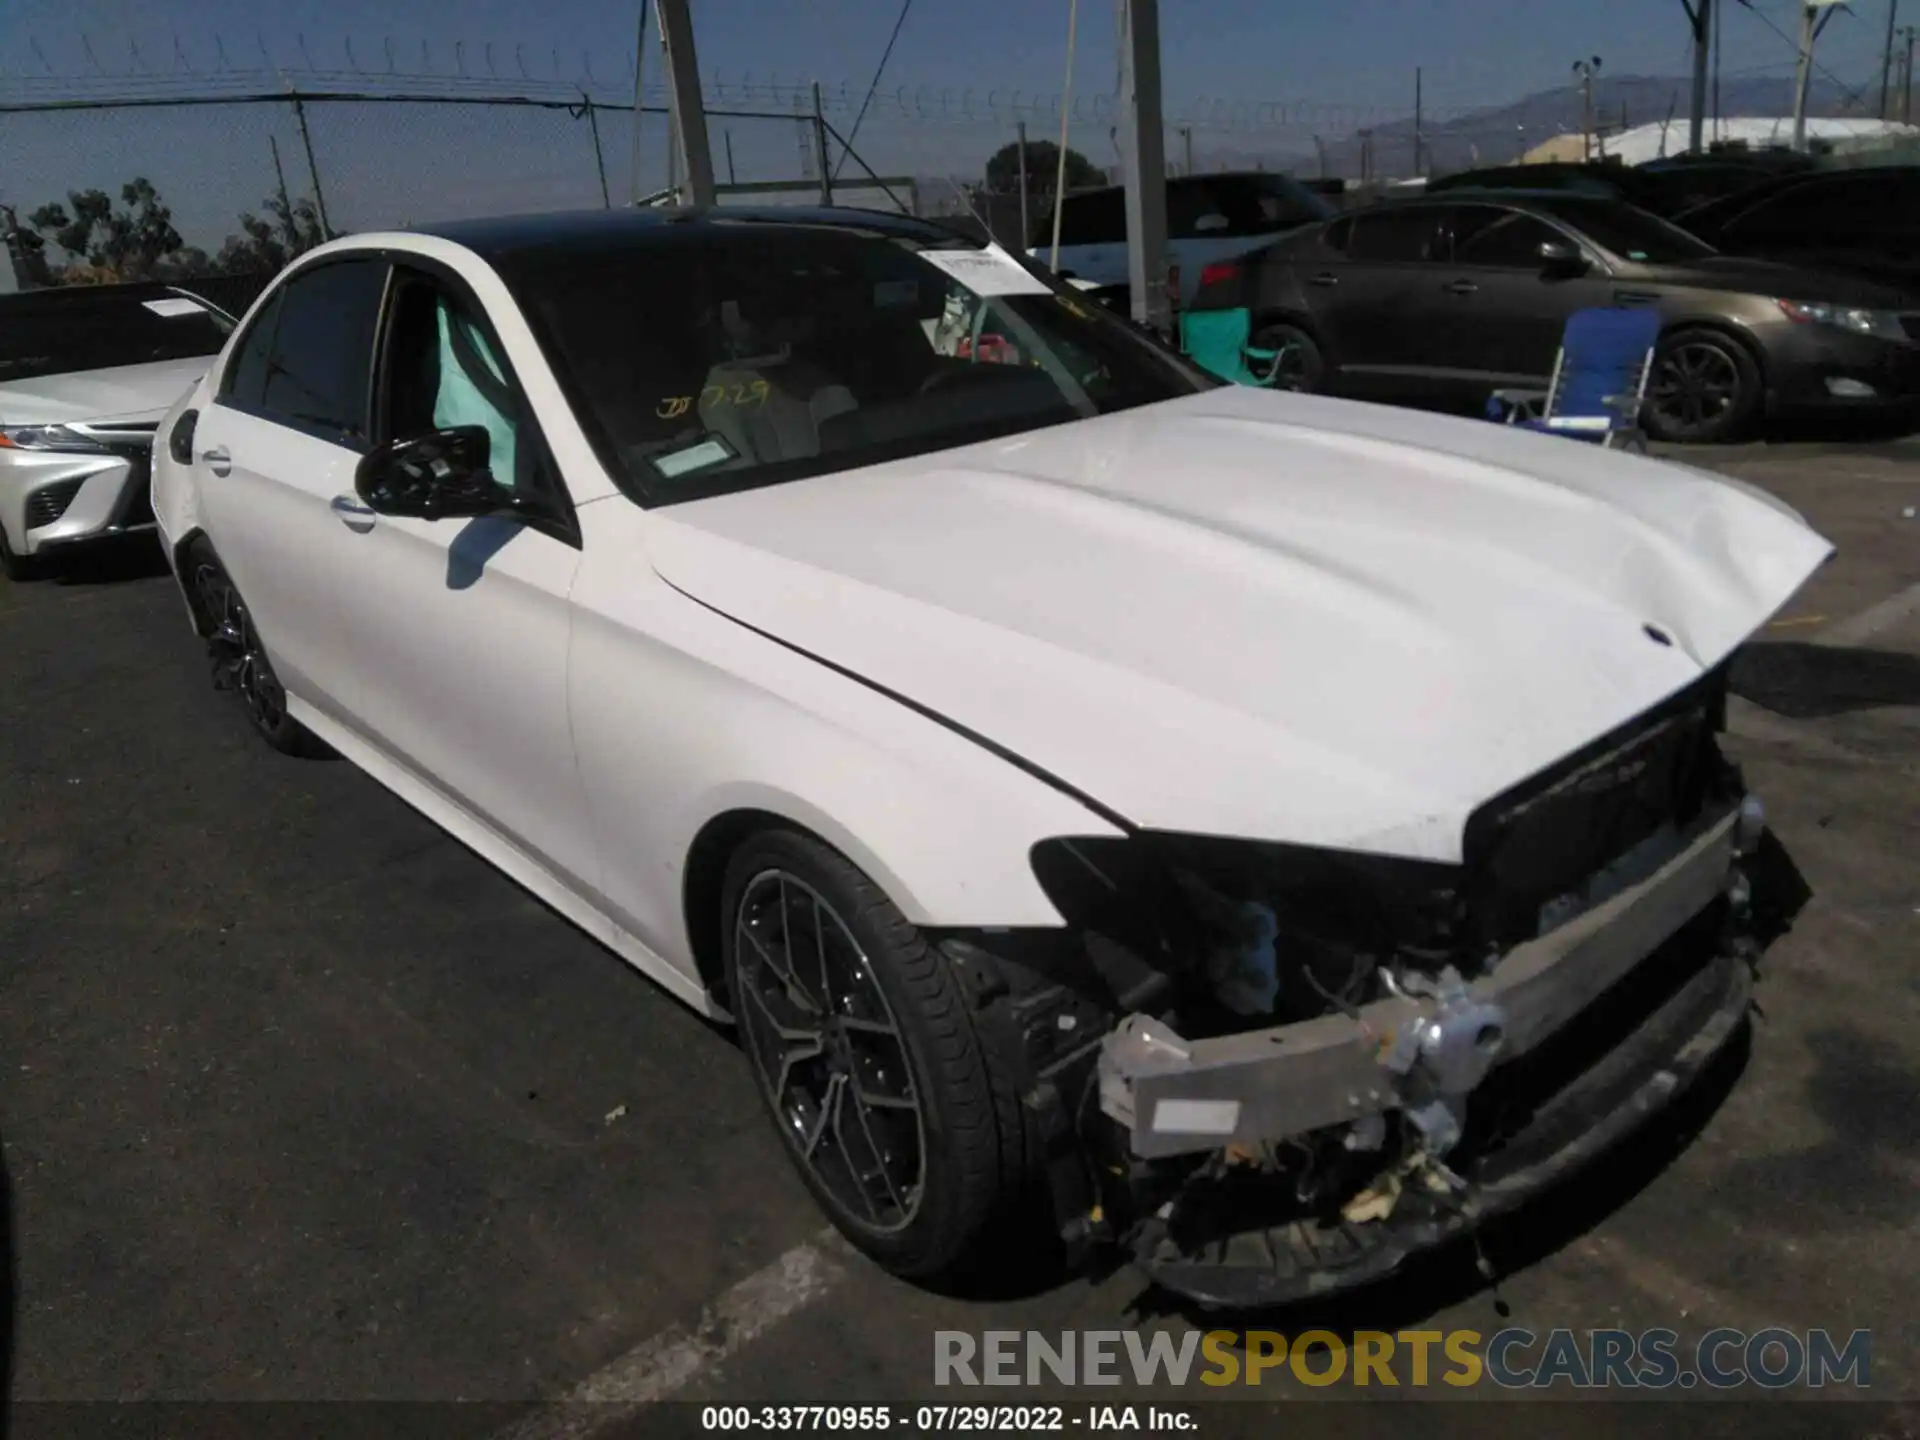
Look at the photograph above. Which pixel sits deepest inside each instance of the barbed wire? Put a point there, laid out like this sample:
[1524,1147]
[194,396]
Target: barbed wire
[487,70]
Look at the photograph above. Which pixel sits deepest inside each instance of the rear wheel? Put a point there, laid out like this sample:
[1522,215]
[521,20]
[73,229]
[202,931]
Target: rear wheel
[868,1058]
[1705,388]
[240,662]
[1297,363]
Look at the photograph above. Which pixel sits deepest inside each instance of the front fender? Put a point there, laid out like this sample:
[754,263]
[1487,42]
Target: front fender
[682,716]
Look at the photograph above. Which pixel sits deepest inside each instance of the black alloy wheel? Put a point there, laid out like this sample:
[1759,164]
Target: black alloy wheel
[1704,389]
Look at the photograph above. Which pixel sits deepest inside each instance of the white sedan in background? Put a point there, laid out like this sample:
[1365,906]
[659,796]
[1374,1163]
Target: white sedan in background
[1193,807]
[86,372]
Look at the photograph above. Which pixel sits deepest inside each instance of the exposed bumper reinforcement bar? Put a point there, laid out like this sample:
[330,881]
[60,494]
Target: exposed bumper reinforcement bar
[1179,1096]
[1670,1048]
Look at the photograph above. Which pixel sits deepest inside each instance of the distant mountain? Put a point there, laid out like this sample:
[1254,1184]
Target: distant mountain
[1502,133]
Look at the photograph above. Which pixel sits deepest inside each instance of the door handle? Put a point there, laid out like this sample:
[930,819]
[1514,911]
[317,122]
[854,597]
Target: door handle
[1324,278]
[1461,287]
[217,459]
[353,514]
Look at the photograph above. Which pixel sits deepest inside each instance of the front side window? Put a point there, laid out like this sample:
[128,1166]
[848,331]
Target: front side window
[1508,239]
[730,357]
[445,371]
[1632,234]
[322,360]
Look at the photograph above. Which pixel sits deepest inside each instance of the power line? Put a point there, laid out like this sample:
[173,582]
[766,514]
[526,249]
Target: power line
[885,55]
[1853,96]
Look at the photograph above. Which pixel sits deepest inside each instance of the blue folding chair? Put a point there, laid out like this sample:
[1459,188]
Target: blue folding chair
[1599,380]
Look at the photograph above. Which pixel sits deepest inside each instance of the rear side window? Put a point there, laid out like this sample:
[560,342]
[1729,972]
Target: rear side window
[322,362]
[245,379]
[1267,204]
[1098,217]
[1408,236]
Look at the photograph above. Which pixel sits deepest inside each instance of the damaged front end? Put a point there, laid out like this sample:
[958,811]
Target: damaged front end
[1277,1073]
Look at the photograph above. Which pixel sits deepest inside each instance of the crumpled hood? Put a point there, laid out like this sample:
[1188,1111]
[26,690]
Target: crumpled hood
[1262,615]
[125,392]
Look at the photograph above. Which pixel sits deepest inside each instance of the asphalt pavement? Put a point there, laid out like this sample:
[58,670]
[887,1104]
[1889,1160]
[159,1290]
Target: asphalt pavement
[301,1101]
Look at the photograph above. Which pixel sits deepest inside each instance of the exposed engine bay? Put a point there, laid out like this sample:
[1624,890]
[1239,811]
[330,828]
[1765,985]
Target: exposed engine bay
[1270,1072]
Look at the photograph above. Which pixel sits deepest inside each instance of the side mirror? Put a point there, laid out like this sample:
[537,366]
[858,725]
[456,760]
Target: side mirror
[1561,258]
[441,476]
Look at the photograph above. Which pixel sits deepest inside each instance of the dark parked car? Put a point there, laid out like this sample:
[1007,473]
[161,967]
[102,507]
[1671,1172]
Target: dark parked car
[1666,187]
[1866,221]
[1438,301]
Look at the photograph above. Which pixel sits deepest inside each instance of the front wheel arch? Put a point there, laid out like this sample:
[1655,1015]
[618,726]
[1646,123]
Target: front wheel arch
[1746,347]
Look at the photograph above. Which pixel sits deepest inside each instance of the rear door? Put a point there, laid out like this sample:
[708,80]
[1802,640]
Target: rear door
[1505,310]
[288,425]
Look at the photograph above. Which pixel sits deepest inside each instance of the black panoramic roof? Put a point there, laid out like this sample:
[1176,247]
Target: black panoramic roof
[581,232]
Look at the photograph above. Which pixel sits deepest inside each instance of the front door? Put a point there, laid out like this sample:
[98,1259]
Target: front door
[459,628]
[1508,309]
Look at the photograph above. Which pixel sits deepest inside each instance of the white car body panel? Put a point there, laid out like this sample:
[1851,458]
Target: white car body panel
[1261,615]
[134,395]
[122,392]
[1241,613]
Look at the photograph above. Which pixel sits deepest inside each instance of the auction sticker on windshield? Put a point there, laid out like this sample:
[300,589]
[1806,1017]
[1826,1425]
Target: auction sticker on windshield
[986,272]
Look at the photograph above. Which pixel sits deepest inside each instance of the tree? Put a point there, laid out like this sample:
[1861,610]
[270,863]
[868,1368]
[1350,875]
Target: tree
[268,242]
[1043,166]
[135,242]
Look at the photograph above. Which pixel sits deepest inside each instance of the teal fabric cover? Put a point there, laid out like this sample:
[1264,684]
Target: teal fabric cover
[462,401]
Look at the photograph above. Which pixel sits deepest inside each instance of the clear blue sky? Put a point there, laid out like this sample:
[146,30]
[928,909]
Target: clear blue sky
[1357,51]
[392,164]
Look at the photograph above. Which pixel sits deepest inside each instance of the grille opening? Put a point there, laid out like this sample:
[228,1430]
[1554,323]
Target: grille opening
[50,502]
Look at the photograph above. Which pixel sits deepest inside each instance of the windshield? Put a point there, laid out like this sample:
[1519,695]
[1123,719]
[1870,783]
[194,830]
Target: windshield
[61,332]
[1629,233]
[721,360]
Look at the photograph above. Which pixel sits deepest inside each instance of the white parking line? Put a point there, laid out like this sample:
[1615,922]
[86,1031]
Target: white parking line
[676,1357]
[1874,619]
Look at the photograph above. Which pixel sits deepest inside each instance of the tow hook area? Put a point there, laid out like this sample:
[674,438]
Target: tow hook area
[1439,1059]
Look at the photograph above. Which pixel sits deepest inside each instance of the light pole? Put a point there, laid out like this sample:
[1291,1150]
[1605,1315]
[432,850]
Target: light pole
[1814,15]
[1586,70]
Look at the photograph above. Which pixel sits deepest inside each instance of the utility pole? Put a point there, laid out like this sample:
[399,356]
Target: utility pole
[1186,137]
[1417,171]
[1907,75]
[1026,233]
[1718,12]
[1814,15]
[639,66]
[1700,17]
[1886,62]
[1586,70]
[689,110]
[1143,151]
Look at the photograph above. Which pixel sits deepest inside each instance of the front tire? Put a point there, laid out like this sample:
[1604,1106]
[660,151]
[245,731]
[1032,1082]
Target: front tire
[1705,389]
[239,657]
[868,1058]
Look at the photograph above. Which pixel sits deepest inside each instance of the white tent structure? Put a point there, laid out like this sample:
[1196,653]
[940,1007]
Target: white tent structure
[1669,137]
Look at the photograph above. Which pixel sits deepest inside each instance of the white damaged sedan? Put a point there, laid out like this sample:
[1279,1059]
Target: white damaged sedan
[1272,832]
